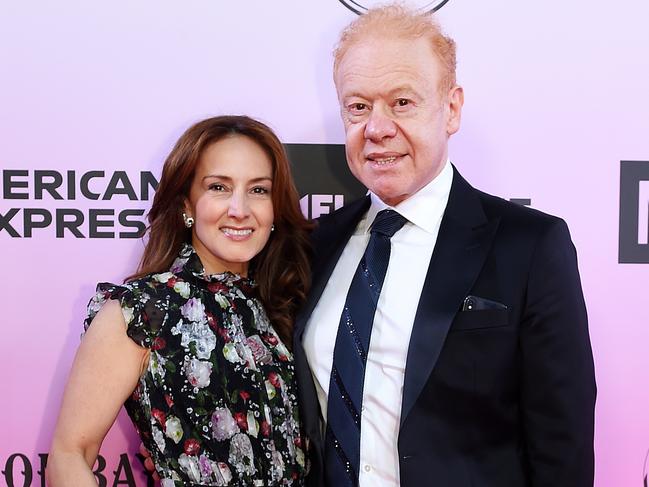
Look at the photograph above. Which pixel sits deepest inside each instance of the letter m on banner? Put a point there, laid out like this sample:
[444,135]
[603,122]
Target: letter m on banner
[634,212]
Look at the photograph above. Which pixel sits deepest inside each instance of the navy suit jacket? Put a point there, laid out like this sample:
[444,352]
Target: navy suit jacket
[493,396]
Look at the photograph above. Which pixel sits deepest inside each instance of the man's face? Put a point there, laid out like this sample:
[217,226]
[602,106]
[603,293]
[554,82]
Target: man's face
[397,124]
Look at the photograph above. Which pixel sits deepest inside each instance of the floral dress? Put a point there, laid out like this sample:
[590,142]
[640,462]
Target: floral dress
[216,404]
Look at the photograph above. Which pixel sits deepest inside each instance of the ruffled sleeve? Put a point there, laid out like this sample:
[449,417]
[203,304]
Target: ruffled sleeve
[144,311]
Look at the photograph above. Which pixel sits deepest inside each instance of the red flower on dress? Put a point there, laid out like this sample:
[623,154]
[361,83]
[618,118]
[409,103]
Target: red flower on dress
[245,287]
[244,395]
[223,333]
[273,378]
[211,321]
[265,428]
[158,343]
[170,401]
[192,447]
[242,420]
[270,339]
[172,281]
[160,416]
[217,287]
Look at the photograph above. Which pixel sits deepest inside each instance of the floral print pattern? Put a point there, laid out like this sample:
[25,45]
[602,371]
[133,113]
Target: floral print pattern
[216,404]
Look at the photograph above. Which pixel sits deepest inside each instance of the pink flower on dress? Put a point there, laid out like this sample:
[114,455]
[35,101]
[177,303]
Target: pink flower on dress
[193,310]
[223,424]
[260,352]
[198,373]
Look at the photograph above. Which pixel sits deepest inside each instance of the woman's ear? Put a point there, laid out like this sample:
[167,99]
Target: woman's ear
[187,207]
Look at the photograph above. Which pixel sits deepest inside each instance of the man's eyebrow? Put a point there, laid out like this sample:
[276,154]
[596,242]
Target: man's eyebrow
[401,89]
[353,94]
[405,88]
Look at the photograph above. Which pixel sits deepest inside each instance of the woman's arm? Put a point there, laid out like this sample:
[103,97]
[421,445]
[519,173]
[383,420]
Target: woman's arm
[105,372]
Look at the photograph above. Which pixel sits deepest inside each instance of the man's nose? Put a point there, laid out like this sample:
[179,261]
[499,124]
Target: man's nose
[379,125]
[239,206]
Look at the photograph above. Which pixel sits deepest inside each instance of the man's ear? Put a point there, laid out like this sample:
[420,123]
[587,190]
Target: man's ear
[455,101]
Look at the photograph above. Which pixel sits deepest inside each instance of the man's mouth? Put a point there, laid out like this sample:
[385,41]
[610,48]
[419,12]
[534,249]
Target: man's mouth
[383,159]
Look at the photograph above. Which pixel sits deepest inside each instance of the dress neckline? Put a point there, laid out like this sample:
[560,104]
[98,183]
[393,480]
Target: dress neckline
[189,262]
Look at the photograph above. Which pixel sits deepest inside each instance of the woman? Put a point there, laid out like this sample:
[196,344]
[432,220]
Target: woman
[194,344]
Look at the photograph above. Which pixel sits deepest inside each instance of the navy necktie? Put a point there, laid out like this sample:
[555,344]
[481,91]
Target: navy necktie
[343,432]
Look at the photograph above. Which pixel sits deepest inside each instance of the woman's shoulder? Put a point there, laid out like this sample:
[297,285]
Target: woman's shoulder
[144,303]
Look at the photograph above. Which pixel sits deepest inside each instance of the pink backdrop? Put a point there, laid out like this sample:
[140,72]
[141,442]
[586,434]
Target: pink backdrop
[556,97]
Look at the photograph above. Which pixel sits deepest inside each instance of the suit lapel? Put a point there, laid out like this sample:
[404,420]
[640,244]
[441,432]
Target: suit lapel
[464,239]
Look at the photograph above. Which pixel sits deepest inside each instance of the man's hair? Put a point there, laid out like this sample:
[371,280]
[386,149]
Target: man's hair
[399,22]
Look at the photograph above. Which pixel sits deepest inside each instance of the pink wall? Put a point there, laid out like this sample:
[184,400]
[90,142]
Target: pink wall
[556,97]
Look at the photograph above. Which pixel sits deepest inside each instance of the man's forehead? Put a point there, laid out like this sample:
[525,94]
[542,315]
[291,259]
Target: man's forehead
[380,57]
[395,88]
[387,75]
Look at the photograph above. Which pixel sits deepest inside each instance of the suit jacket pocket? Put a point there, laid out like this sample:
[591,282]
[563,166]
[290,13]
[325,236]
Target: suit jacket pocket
[477,320]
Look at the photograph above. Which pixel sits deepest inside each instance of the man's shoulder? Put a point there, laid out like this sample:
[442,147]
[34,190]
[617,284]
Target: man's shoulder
[518,219]
[473,204]
[496,206]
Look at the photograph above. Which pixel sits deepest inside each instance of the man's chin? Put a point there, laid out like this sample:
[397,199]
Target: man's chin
[391,198]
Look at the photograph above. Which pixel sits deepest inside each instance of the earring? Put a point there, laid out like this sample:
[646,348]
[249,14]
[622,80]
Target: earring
[272,227]
[189,221]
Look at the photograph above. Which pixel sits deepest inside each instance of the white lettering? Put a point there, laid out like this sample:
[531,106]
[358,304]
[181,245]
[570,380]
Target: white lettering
[643,213]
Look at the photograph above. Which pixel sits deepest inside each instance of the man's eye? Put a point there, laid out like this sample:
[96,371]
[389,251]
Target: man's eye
[357,107]
[402,102]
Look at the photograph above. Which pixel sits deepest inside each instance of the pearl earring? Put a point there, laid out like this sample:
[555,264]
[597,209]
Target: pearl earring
[189,221]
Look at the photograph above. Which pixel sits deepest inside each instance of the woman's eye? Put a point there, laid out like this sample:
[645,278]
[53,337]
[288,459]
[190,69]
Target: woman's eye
[216,187]
[260,190]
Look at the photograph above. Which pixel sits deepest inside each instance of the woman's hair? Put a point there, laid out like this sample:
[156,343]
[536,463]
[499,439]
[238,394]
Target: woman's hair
[281,269]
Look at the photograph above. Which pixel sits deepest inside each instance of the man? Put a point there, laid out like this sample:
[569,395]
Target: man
[479,369]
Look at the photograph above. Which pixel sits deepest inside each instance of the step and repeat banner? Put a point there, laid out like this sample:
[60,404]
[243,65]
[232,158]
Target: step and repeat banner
[94,94]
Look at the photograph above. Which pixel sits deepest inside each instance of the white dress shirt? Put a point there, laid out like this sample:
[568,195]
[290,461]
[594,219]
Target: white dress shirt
[412,248]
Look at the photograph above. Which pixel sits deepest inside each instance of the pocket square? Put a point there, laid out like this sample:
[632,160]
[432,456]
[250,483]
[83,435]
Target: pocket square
[476,303]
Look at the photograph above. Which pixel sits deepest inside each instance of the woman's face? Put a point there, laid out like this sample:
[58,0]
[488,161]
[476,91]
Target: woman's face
[230,201]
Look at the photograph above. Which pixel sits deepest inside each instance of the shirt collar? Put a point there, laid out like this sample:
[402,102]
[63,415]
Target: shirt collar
[423,209]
